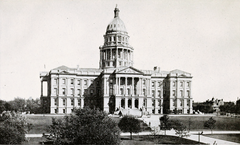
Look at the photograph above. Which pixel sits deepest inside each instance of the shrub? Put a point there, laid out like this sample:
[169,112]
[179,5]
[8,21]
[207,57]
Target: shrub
[85,126]
[13,128]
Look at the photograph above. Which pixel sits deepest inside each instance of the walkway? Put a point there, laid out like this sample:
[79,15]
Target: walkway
[193,136]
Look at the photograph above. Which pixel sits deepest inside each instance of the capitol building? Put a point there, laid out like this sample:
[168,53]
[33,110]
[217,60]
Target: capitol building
[116,84]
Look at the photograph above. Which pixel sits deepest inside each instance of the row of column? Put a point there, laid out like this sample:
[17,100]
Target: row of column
[110,54]
[138,88]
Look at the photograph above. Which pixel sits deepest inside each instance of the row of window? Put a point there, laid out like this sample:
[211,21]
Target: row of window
[64,102]
[158,93]
[85,82]
[181,84]
[181,93]
[106,55]
[113,38]
[72,91]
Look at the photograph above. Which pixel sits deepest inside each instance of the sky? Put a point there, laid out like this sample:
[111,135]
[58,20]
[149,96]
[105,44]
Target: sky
[201,37]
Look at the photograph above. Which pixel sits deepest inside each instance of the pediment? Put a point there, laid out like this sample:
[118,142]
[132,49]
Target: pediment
[64,72]
[129,70]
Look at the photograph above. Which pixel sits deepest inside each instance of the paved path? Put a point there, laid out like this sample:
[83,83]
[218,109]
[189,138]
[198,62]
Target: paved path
[193,136]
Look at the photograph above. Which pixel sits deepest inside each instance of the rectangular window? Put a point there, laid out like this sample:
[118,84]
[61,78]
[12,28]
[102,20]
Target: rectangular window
[181,93]
[64,102]
[63,91]
[72,102]
[64,81]
[56,111]
[79,92]
[55,91]
[55,81]
[188,84]
[55,102]
[174,84]
[144,92]
[128,91]
[153,93]
[153,84]
[85,82]
[188,93]
[144,82]
[72,91]
[174,93]
[79,102]
[159,93]
[181,84]
[121,91]
[79,82]
[64,111]
[91,91]
[159,84]
[72,81]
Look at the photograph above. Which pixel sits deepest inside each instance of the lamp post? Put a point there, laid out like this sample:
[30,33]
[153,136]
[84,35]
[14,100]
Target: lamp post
[199,133]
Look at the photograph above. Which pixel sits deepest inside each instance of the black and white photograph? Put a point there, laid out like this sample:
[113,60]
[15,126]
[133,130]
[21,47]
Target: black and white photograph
[129,72]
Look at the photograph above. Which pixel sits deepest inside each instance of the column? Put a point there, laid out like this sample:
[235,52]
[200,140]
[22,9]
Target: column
[156,106]
[119,85]
[140,103]
[161,106]
[126,86]
[140,80]
[190,105]
[126,103]
[41,88]
[149,87]
[116,88]
[132,91]
[133,103]
[105,86]
[111,54]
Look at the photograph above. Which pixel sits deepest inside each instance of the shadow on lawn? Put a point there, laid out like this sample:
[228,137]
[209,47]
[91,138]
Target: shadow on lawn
[160,139]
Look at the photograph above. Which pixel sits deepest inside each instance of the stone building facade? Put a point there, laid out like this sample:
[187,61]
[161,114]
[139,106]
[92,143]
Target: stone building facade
[116,83]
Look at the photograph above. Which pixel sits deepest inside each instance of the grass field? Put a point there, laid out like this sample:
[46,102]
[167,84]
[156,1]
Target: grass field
[137,140]
[41,123]
[227,137]
[197,122]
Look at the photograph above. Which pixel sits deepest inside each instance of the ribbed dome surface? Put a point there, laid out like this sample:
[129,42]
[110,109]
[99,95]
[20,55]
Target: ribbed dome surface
[116,25]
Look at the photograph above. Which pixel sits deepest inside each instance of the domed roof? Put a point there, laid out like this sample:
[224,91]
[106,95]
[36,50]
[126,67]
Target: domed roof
[116,24]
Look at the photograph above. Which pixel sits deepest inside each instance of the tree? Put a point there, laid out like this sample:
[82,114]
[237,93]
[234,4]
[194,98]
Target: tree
[228,107]
[85,126]
[210,123]
[129,124]
[165,123]
[2,106]
[180,129]
[238,106]
[18,104]
[13,128]
[33,106]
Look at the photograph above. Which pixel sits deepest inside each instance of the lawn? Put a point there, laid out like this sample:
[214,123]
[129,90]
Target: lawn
[227,137]
[197,122]
[137,140]
[41,123]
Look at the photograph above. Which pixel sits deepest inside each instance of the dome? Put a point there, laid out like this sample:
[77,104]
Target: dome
[116,24]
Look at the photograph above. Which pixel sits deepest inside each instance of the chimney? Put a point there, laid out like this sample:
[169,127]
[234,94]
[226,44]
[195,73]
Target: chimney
[156,69]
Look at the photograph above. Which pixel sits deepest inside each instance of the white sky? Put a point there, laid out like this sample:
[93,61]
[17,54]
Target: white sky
[197,36]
